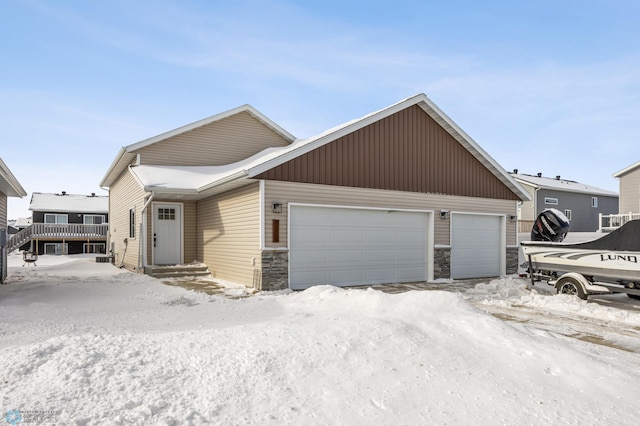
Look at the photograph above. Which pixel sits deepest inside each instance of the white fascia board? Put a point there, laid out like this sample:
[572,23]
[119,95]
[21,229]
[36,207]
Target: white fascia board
[467,141]
[626,170]
[12,181]
[122,160]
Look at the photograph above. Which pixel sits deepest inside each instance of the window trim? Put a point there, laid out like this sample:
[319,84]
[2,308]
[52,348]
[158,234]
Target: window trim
[63,246]
[93,246]
[594,202]
[567,213]
[132,223]
[84,219]
[552,201]
[55,218]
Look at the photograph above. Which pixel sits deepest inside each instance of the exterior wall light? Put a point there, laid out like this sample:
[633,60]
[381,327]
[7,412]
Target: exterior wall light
[513,218]
[277,207]
[444,214]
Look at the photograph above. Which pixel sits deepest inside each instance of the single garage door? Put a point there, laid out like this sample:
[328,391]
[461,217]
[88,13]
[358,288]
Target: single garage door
[476,245]
[345,246]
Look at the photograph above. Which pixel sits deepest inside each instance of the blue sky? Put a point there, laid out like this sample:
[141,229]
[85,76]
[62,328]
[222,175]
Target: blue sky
[550,86]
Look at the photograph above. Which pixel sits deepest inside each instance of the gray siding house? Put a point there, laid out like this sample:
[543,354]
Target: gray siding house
[581,203]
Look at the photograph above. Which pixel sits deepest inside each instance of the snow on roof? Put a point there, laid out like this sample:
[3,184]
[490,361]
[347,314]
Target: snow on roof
[562,184]
[9,185]
[69,203]
[22,222]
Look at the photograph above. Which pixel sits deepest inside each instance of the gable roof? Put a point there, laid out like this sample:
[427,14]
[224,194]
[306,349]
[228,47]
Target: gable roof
[562,185]
[201,181]
[9,185]
[626,170]
[72,203]
[127,154]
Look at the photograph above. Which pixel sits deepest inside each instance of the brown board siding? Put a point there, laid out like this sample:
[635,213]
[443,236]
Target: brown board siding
[222,142]
[228,234]
[287,192]
[407,151]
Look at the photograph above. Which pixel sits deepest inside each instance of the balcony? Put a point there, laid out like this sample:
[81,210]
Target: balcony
[58,232]
[610,222]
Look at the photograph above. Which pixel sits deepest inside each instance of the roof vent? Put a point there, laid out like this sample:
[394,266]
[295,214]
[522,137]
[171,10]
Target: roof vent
[93,194]
[539,174]
[515,171]
[558,177]
[64,192]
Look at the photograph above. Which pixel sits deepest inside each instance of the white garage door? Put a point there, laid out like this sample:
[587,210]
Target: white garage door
[343,246]
[476,245]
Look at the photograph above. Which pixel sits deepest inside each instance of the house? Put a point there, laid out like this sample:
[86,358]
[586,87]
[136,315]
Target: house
[581,203]
[629,203]
[9,187]
[65,224]
[402,194]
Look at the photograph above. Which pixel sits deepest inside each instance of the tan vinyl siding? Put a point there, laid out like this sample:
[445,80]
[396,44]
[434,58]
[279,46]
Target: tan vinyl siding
[630,192]
[528,208]
[228,234]
[124,194]
[222,142]
[286,192]
[3,210]
[407,151]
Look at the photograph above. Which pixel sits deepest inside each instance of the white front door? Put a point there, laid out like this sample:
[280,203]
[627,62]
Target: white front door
[167,234]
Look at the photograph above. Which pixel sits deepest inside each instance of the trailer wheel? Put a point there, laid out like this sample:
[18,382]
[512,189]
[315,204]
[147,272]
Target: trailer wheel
[570,286]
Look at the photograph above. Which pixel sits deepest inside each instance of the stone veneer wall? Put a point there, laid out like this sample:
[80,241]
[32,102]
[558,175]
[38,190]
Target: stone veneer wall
[275,270]
[442,263]
[512,260]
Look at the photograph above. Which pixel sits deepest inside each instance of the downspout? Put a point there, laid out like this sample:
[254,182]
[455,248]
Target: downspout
[142,247]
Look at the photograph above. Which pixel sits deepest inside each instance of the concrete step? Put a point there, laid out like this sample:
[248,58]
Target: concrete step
[177,271]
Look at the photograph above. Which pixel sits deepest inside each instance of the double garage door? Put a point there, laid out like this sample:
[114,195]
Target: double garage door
[351,246]
[345,246]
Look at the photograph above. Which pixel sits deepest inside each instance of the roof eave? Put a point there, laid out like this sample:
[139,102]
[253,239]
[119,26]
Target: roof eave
[15,189]
[626,170]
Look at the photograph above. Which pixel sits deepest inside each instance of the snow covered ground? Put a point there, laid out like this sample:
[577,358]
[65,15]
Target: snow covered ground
[98,345]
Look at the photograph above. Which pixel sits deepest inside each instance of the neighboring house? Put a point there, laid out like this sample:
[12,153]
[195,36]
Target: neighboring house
[582,204]
[400,195]
[9,187]
[629,204]
[629,189]
[65,224]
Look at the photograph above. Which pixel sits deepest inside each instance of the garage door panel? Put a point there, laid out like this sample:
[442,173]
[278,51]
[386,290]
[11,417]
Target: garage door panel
[346,256]
[360,246]
[476,242]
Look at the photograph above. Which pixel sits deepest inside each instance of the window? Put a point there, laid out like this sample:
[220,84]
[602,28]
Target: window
[594,201]
[567,213]
[132,223]
[551,201]
[56,248]
[166,214]
[93,219]
[93,248]
[56,218]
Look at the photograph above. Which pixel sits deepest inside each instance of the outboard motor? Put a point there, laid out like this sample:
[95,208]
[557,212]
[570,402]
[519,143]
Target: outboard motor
[550,225]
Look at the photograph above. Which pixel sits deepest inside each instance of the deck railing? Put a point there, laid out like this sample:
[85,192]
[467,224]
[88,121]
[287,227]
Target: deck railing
[57,231]
[610,222]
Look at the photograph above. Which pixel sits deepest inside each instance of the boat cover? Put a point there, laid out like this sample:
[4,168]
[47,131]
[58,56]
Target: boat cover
[625,238]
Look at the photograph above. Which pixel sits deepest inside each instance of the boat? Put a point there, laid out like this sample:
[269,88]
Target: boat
[608,264]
